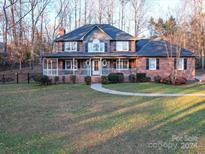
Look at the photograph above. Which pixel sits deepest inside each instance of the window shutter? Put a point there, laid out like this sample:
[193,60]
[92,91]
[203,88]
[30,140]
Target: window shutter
[147,64]
[63,46]
[185,64]
[78,46]
[64,65]
[129,43]
[114,45]
[157,63]
[86,47]
[175,63]
[105,47]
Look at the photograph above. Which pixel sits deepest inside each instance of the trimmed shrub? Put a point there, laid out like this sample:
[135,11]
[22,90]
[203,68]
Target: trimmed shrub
[56,79]
[87,80]
[179,81]
[63,79]
[132,78]
[42,79]
[147,79]
[166,80]
[73,79]
[141,77]
[116,77]
[104,80]
[157,79]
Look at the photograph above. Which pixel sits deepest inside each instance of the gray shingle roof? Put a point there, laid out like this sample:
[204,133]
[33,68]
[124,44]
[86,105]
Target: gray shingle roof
[151,48]
[79,33]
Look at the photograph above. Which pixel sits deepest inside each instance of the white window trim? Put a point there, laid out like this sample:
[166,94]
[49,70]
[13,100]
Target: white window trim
[71,62]
[70,44]
[91,46]
[119,66]
[180,68]
[154,63]
[119,45]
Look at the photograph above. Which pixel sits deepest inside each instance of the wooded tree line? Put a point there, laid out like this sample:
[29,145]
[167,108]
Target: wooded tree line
[187,29]
[30,26]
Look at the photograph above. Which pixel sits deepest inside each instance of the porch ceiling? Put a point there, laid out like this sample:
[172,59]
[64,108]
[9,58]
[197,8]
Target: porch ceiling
[83,55]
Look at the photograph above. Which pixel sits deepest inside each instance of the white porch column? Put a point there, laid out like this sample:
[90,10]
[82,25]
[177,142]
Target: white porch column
[118,64]
[100,66]
[73,67]
[90,66]
[52,67]
[43,66]
[57,67]
[46,66]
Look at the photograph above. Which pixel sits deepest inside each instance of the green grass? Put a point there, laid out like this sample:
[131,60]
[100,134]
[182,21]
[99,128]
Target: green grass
[157,88]
[75,119]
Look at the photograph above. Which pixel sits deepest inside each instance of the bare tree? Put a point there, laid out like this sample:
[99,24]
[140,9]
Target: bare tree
[122,14]
[139,10]
[36,13]
[109,11]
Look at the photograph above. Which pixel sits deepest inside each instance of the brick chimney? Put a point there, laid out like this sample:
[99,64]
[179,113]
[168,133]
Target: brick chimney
[61,31]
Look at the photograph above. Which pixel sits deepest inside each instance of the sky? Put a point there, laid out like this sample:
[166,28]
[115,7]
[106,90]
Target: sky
[158,8]
[161,8]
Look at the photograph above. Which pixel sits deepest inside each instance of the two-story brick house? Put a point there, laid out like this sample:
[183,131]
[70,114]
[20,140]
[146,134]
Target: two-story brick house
[99,49]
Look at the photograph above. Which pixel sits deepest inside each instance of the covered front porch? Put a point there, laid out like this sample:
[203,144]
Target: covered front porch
[88,66]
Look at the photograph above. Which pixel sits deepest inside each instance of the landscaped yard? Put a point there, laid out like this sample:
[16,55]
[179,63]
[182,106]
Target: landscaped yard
[75,119]
[148,87]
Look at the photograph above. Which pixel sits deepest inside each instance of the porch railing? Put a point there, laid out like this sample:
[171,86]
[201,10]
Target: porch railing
[85,72]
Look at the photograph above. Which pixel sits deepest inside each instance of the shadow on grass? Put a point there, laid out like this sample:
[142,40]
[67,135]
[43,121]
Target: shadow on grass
[138,139]
[73,118]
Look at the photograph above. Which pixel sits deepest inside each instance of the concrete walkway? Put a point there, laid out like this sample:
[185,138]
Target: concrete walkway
[98,87]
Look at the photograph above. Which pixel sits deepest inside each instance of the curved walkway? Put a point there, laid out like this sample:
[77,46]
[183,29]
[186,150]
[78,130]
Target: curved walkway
[98,87]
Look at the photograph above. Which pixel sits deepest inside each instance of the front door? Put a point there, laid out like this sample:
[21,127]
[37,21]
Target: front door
[96,67]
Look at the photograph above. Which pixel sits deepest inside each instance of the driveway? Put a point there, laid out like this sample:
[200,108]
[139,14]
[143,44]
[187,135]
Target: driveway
[98,87]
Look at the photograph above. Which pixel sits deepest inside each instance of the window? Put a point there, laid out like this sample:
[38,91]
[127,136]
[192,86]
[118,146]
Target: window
[70,46]
[122,64]
[152,64]
[96,46]
[69,65]
[180,63]
[122,46]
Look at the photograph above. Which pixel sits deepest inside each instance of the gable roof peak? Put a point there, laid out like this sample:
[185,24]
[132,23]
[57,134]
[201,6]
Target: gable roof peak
[79,33]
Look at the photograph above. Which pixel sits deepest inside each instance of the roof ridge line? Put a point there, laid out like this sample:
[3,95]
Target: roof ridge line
[88,31]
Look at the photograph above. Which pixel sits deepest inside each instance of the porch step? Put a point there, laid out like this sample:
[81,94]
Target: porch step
[96,79]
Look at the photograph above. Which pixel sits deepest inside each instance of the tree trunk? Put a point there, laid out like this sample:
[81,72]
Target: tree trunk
[85,12]
[6,27]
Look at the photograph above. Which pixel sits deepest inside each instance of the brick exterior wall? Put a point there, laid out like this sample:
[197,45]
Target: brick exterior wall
[166,66]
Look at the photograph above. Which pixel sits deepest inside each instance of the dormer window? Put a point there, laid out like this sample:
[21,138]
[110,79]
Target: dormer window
[70,46]
[122,45]
[96,46]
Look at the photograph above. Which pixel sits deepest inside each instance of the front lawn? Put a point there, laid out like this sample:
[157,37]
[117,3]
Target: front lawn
[75,119]
[150,87]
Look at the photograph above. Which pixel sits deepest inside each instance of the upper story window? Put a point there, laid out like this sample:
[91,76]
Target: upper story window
[122,45]
[96,46]
[70,46]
